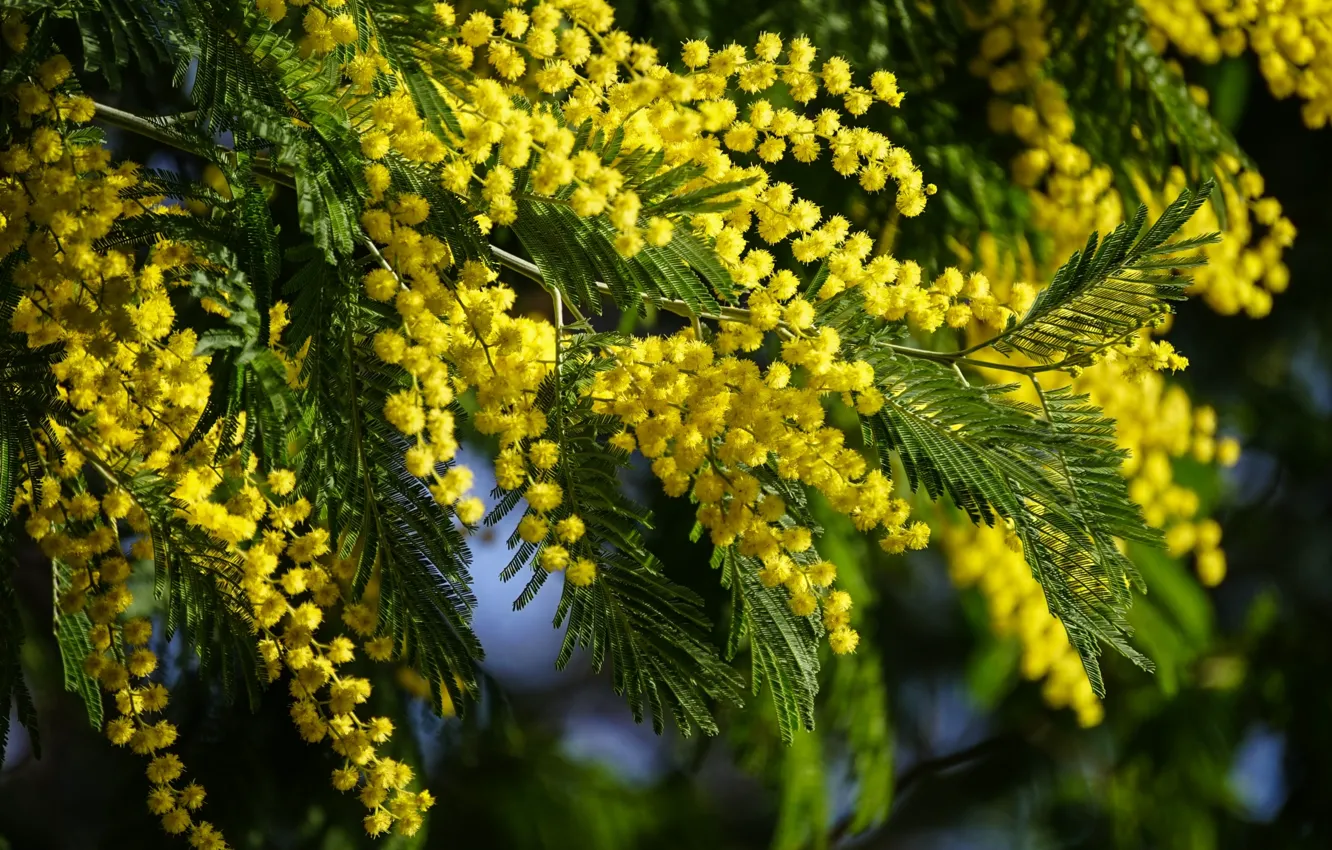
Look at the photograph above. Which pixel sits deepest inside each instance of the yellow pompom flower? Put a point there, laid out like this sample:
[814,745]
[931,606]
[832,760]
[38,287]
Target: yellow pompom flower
[164,769]
[581,572]
[375,145]
[843,640]
[403,411]
[281,481]
[544,496]
[381,284]
[544,454]
[469,510]
[533,528]
[554,558]
[176,821]
[570,529]
[141,662]
[477,30]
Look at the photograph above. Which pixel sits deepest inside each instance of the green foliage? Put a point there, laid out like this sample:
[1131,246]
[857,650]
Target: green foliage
[118,34]
[72,634]
[1102,51]
[783,648]
[13,690]
[386,522]
[197,584]
[994,458]
[577,254]
[857,701]
[27,398]
[1110,289]
[997,460]
[803,819]
[652,630]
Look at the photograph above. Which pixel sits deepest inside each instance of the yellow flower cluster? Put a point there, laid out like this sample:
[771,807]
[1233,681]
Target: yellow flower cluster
[991,559]
[1245,269]
[957,300]
[1072,195]
[288,607]
[1291,38]
[570,50]
[1157,423]
[324,700]
[456,335]
[136,378]
[143,389]
[78,531]
[708,422]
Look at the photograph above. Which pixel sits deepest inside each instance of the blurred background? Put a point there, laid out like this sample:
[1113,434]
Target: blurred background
[929,737]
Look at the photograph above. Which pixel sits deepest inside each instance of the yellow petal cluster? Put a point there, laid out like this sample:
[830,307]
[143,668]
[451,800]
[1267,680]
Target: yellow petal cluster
[1073,195]
[135,377]
[991,560]
[708,422]
[1291,38]
[722,119]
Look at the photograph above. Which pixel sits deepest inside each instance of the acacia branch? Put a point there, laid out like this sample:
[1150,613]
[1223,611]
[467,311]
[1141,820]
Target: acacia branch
[158,129]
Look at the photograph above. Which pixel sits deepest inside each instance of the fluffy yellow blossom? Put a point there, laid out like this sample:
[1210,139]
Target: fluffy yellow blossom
[1290,39]
[581,572]
[732,412]
[980,556]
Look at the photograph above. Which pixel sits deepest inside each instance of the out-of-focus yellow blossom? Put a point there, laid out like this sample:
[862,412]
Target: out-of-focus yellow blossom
[1073,195]
[991,559]
[1291,38]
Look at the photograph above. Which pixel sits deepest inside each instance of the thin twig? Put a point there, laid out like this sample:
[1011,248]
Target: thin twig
[559,313]
[531,272]
[963,378]
[157,130]
[670,305]
[137,124]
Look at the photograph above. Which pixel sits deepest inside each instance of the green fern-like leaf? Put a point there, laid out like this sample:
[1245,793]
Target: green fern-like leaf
[13,690]
[119,34]
[1100,51]
[652,631]
[198,584]
[425,600]
[783,647]
[385,520]
[1111,288]
[75,645]
[999,460]
[656,638]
